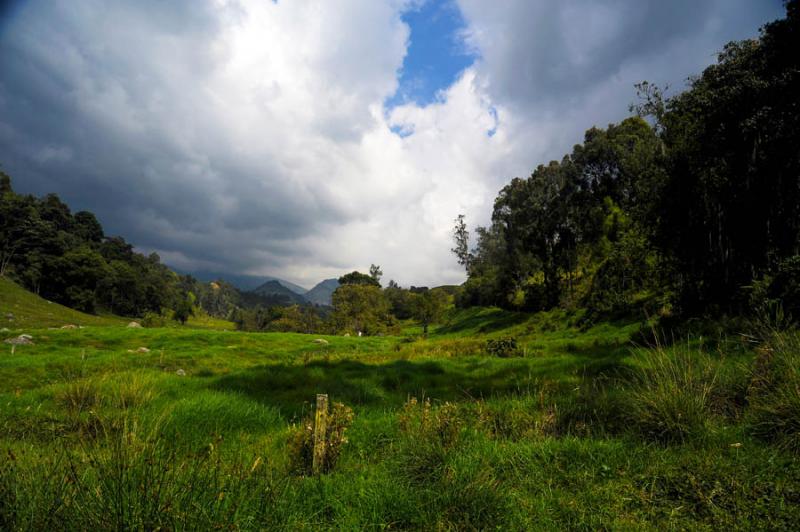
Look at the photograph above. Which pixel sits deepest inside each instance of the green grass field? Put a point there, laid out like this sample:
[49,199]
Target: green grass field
[97,433]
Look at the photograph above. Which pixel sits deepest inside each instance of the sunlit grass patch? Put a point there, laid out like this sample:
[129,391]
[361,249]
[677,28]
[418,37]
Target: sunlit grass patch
[670,397]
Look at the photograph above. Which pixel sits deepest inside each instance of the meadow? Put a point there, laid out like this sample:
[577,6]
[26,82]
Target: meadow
[574,427]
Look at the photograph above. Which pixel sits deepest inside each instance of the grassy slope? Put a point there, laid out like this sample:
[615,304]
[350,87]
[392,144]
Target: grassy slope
[525,454]
[30,310]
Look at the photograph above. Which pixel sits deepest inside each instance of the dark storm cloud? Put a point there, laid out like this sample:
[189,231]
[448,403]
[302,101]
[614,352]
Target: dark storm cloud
[244,136]
[540,51]
[80,116]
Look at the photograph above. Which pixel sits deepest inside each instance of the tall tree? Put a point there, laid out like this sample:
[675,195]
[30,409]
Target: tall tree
[461,238]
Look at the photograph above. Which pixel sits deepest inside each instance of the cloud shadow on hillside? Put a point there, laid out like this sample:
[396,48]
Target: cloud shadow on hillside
[291,387]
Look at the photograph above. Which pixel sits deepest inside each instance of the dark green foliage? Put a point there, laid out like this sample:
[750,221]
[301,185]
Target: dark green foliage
[375,272]
[87,227]
[461,238]
[502,347]
[361,308]
[358,278]
[777,293]
[731,205]
[575,230]
[692,209]
[427,306]
[183,310]
[67,259]
[400,301]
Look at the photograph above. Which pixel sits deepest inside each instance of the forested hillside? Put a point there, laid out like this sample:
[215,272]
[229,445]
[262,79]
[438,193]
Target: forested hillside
[67,258]
[692,206]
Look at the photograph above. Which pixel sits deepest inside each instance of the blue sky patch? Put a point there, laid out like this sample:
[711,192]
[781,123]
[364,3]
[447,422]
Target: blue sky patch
[435,56]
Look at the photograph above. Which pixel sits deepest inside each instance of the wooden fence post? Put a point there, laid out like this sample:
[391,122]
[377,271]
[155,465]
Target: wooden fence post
[320,427]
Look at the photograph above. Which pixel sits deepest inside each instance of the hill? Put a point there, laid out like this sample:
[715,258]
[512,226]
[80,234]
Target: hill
[20,308]
[276,291]
[322,293]
[245,283]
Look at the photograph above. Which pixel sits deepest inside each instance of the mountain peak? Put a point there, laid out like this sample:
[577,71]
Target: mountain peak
[322,293]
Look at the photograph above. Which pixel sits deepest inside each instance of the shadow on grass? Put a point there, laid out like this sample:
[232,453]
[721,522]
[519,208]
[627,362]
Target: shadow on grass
[291,387]
[485,322]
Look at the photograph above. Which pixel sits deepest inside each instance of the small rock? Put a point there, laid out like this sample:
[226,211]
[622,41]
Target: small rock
[142,350]
[69,326]
[180,373]
[9,316]
[347,334]
[321,341]
[22,339]
[135,325]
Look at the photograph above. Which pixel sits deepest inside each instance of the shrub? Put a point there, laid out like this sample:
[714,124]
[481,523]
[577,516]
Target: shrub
[78,396]
[776,296]
[503,347]
[301,443]
[132,391]
[153,319]
[774,392]
[428,434]
[670,398]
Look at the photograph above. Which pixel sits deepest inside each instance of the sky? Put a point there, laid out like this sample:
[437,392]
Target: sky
[307,138]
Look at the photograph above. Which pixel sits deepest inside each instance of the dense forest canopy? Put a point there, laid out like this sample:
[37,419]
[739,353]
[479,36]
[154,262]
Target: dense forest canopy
[691,206]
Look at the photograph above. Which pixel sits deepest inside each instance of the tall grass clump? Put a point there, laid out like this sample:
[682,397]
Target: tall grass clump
[301,443]
[33,494]
[774,393]
[670,398]
[428,434]
[131,390]
[132,478]
[78,396]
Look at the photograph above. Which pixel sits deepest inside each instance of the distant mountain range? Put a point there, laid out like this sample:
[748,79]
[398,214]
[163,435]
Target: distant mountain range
[246,283]
[272,288]
[276,289]
[322,293]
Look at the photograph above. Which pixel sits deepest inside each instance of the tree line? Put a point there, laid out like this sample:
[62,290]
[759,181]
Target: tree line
[692,205]
[66,257]
[360,306]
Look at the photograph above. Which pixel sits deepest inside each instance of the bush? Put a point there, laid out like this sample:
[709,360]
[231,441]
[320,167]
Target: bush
[503,347]
[670,399]
[774,392]
[153,319]
[777,295]
[78,396]
[428,435]
[301,444]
